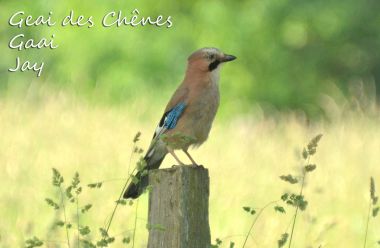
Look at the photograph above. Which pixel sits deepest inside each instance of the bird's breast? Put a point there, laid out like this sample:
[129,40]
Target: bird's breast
[201,113]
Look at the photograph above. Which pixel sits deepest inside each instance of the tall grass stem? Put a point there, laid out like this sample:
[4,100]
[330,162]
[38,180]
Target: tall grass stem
[117,203]
[64,216]
[366,229]
[78,233]
[134,228]
[297,207]
[254,221]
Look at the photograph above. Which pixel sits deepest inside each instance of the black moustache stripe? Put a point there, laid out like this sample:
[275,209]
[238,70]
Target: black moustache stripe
[212,66]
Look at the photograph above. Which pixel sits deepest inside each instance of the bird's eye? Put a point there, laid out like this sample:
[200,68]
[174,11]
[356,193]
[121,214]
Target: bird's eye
[211,56]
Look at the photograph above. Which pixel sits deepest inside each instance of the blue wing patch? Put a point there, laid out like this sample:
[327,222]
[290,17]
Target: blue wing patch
[173,115]
[169,119]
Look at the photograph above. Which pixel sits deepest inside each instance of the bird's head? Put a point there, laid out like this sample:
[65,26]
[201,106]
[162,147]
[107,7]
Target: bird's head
[208,59]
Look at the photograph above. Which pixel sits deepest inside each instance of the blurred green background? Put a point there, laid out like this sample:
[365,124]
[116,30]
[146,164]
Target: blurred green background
[102,85]
[289,52]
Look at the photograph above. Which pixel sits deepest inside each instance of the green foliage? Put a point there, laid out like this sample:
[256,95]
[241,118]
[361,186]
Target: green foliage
[126,240]
[141,164]
[285,197]
[289,178]
[86,208]
[296,201]
[249,210]
[295,52]
[282,241]
[87,244]
[279,209]
[149,188]
[95,185]
[374,198]
[218,243]
[135,179]
[105,238]
[84,230]
[140,167]
[75,182]
[60,223]
[121,202]
[69,194]
[72,194]
[52,203]
[305,153]
[74,186]
[137,137]
[78,190]
[372,191]
[310,167]
[138,150]
[373,209]
[33,242]
[57,178]
[313,144]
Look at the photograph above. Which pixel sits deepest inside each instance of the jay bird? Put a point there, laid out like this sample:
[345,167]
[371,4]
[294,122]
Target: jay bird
[188,116]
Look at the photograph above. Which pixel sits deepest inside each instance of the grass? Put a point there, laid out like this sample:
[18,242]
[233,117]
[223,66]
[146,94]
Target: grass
[245,157]
[373,209]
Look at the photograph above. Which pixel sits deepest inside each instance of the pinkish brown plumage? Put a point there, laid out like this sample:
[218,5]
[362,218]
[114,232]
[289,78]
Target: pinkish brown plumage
[188,116]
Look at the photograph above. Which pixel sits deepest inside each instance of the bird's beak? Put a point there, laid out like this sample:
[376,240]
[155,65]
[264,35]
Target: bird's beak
[227,58]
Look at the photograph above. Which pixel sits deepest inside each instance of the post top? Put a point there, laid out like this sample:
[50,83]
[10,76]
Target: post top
[175,168]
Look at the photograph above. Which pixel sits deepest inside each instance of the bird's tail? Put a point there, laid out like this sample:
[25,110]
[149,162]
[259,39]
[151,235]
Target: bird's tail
[134,190]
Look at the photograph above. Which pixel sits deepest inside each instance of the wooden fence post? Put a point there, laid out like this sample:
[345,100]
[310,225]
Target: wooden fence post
[178,208]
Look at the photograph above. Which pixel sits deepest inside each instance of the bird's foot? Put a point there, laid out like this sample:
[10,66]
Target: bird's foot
[191,159]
